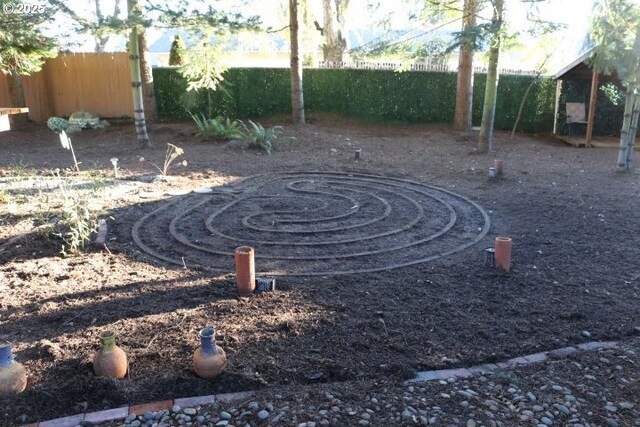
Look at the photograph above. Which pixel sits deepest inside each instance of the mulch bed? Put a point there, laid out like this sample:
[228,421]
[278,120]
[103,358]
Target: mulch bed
[572,218]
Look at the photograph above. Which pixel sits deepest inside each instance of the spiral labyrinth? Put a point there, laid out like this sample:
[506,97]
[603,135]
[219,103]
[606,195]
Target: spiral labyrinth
[313,223]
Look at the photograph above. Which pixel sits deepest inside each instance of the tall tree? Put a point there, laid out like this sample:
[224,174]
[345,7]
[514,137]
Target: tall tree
[297,96]
[163,13]
[616,32]
[23,47]
[135,13]
[100,33]
[148,90]
[335,30]
[485,141]
[464,91]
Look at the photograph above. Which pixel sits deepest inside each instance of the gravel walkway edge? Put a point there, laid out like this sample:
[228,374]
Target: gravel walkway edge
[184,406]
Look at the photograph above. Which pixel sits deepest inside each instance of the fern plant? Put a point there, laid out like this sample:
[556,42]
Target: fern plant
[262,138]
[219,127]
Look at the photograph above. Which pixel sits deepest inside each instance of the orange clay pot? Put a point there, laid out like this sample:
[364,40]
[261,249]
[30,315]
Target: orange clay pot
[245,269]
[209,360]
[497,164]
[13,377]
[110,361]
[503,253]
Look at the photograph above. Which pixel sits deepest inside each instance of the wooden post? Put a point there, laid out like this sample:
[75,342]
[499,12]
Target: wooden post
[592,108]
[556,107]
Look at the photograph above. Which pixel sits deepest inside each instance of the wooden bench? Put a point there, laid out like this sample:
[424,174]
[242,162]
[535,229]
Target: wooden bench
[6,112]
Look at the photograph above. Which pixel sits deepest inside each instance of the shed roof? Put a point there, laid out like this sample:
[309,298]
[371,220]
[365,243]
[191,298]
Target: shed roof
[578,69]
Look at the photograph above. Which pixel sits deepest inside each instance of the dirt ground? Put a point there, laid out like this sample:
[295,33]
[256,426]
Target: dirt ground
[575,277]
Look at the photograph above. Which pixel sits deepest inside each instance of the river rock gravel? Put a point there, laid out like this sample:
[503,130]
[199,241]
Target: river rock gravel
[583,389]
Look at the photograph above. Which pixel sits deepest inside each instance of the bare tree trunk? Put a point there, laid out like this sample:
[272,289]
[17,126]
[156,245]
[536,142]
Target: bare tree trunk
[335,30]
[148,91]
[297,98]
[625,132]
[629,130]
[633,131]
[489,107]
[136,83]
[101,41]
[526,94]
[464,93]
[16,91]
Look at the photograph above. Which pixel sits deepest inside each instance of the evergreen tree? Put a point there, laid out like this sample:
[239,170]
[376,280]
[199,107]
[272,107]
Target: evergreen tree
[177,52]
[141,15]
[23,47]
[202,69]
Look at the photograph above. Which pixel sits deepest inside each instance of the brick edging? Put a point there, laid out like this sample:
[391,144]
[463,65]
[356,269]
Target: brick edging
[123,412]
[444,374]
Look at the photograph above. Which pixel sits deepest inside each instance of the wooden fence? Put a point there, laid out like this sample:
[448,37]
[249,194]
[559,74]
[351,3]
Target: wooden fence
[96,82]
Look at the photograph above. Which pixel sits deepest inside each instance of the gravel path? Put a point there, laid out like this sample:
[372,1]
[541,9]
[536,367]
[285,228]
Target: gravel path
[589,388]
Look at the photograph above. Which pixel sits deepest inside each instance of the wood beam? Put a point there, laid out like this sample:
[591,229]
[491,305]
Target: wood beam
[592,108]
[556,107]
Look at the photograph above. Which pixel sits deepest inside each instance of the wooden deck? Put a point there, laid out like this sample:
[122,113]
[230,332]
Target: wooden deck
[4,116]
[596,141]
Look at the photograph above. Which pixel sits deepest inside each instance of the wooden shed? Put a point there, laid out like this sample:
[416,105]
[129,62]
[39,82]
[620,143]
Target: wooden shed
[583,114]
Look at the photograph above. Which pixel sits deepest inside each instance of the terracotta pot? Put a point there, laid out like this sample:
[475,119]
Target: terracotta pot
[13,376]
[209,360]
[497,164]
[503,253]
[245,269]
[110,361]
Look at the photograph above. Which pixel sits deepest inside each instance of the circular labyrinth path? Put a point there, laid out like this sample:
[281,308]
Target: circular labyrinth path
[313,223]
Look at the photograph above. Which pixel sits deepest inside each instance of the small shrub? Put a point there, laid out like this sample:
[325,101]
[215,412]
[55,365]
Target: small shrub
[76,225]
[219,127]
[76,221]
[58,124]
[261,137]
[77,121]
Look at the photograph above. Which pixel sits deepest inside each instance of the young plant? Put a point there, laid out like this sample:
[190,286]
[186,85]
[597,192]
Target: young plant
[77,220]
[202,68]
[173,152]
[262,138]
[219,127]
[66,143]
[114,162]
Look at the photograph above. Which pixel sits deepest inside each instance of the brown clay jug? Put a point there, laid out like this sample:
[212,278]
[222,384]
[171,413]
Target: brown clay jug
[13,377]
[110,361]
[209,360]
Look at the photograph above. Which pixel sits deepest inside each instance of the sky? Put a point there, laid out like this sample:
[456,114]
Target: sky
[565,46]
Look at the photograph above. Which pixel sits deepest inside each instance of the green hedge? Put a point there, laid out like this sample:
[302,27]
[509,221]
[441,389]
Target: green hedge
[370,95]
